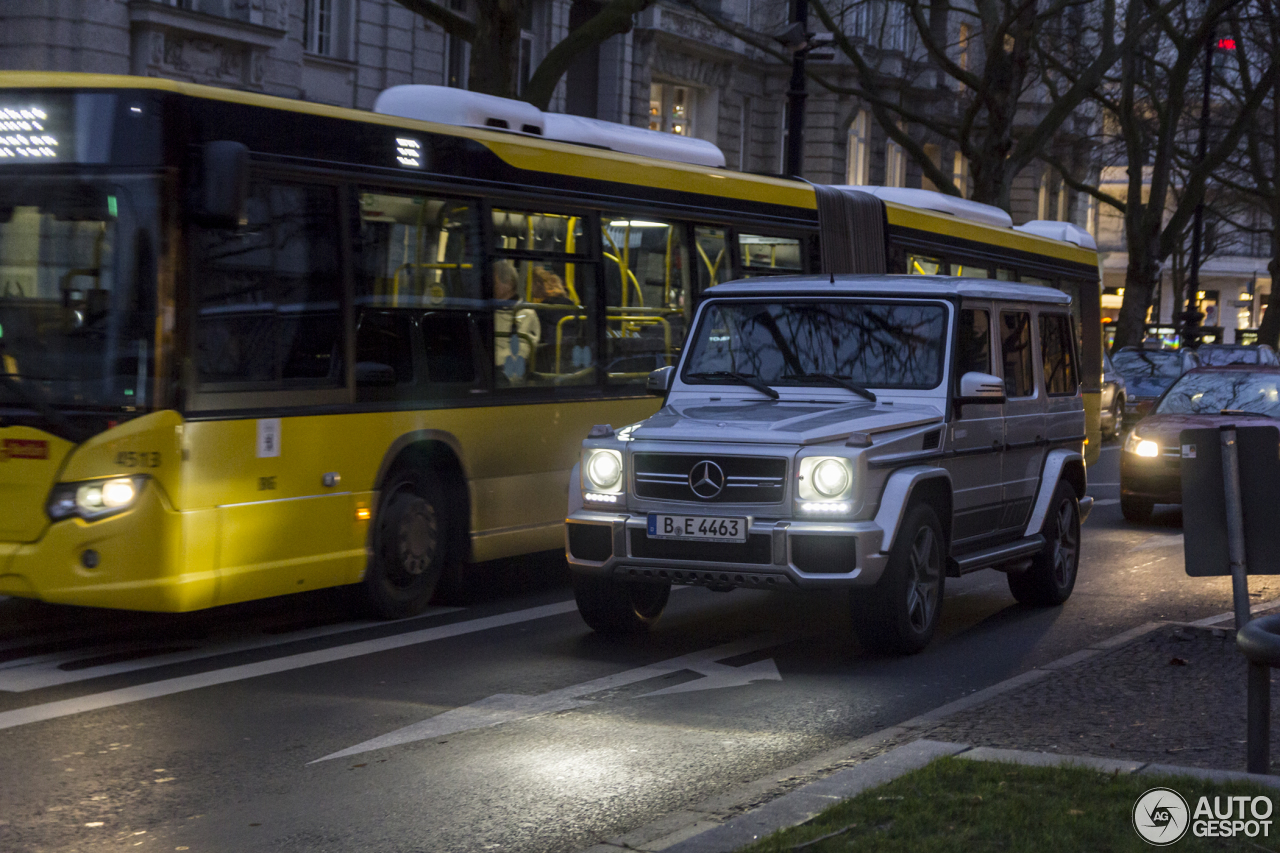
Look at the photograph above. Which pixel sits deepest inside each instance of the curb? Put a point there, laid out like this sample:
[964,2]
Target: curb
[739,816]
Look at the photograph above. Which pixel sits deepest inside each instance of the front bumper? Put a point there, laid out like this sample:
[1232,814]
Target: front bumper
[778,554]
[1156,480]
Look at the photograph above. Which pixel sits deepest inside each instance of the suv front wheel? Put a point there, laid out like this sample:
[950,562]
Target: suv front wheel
[619,607]
[900,613]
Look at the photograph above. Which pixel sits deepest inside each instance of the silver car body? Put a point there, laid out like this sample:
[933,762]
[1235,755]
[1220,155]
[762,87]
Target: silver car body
[990,468]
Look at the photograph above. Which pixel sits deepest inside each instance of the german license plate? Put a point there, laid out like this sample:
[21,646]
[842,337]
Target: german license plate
[707,528]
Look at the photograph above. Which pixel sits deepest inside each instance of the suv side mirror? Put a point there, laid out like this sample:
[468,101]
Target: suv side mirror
[981,388]
[659,382]
[224,183]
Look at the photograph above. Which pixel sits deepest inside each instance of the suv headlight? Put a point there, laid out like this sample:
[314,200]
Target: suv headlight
[1141,446]
[601,473]
[825,484]
[94,499]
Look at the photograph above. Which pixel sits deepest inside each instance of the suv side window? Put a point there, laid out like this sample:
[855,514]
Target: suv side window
[973,342]
[1059,355]
[1015,344]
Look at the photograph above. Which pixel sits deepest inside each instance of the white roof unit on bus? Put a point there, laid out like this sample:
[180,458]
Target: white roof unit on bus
[960,208]
[1067,232]
[446,105]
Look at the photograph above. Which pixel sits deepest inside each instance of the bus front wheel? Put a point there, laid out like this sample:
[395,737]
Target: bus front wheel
[410,552]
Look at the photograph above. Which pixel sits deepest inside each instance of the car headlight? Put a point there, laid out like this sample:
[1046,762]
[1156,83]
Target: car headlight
[602,471]
[1141,446]
[94,499]
[825,478]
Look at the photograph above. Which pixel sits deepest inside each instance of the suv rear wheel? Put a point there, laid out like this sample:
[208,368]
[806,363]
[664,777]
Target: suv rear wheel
[1053,570]
[900,613]
[616,607]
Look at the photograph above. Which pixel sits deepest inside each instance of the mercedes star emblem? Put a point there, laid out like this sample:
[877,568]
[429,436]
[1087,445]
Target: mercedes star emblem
[706,479]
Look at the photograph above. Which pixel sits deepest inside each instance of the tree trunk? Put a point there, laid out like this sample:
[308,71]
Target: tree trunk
[1269,328]
[1141,278]
[495,53]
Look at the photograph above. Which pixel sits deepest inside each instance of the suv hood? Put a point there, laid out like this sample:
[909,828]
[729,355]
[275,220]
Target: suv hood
[780,421]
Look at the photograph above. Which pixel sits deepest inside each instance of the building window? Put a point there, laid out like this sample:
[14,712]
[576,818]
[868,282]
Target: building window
[671,108]
[526,61]
[455,53]
[858,169]
[328,28]
[960,174]
[963,44]
[895,164]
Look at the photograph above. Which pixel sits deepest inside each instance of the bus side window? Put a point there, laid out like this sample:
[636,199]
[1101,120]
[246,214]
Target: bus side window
[922,265]
[269,293]
[769,255]
[970,270]
[543,311]
[710,258]
[384,355]
[449,344]
[647,289]
[417,251]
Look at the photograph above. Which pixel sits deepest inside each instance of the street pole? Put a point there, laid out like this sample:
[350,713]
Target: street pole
[1192,316]
[796,95]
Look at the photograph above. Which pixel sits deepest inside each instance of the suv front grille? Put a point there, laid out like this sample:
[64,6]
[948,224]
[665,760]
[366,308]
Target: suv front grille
[740,479]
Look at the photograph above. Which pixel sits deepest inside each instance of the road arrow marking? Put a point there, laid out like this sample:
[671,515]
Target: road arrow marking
[508,708]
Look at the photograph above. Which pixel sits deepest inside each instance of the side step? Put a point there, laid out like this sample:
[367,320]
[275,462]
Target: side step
[988,557]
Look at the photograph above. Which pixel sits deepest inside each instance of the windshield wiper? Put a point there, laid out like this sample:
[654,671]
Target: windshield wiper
[836,379]
[1243,412]
[743,378]
[32,398]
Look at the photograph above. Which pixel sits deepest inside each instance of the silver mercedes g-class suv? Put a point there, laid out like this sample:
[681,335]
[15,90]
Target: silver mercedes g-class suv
[873,434]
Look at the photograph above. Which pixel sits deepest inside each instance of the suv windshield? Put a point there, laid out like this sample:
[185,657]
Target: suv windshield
[1219,391]
[77,292]
[875,344]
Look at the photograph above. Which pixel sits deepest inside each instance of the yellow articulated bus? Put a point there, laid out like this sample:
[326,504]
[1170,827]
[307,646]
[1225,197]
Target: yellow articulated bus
[252,346]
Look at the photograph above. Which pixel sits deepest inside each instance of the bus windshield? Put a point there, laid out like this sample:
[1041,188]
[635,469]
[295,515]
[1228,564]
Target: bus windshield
[870,344]
[78,292]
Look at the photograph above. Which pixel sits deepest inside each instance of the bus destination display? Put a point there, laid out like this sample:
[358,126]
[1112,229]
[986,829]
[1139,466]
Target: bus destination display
[24,135]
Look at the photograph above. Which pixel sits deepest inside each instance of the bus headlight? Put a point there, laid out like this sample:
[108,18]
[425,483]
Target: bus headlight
[94,499]
[825,478]
[602,471]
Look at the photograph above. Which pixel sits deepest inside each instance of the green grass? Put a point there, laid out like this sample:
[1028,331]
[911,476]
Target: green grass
[967,806]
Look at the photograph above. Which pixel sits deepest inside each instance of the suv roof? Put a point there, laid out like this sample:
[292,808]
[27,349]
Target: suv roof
[899,285]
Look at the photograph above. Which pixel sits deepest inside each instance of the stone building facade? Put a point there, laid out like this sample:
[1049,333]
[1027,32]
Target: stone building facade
[674,71]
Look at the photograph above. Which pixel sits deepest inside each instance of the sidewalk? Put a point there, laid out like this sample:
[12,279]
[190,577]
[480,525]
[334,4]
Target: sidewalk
[1163,697]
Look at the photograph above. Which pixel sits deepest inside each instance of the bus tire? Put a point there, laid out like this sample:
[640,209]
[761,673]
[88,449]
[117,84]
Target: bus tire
[617,608]
[410,554]
[900,613]
[1052,575]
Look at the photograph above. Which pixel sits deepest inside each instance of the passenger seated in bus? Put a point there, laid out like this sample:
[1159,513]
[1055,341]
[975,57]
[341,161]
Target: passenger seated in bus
[548,290]
[516,330]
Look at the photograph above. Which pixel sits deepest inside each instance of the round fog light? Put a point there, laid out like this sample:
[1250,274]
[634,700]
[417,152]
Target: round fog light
[90,559]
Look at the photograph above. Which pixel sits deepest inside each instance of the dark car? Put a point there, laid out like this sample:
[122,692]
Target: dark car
[1216,355]
[1113,397]
[1150,466]
[1147,373]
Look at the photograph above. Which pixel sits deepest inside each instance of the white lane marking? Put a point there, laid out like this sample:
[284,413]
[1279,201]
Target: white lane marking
[37,671]
[1161,540]
[1092,484]
[507,707]
[167,687]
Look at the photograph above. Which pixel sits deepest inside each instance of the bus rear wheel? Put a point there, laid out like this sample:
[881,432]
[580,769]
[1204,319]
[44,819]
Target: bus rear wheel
[614,607]
[410,554]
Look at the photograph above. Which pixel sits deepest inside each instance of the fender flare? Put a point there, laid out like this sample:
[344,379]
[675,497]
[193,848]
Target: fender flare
[1050,475]
[575,488]
[897,495]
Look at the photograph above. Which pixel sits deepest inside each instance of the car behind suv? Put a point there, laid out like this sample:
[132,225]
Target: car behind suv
[873,434]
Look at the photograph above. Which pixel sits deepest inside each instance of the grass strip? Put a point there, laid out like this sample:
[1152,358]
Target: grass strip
[960,806]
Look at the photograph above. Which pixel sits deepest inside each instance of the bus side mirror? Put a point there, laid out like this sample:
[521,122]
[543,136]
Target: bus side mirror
[659,382]
[981,388]
[224,184]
